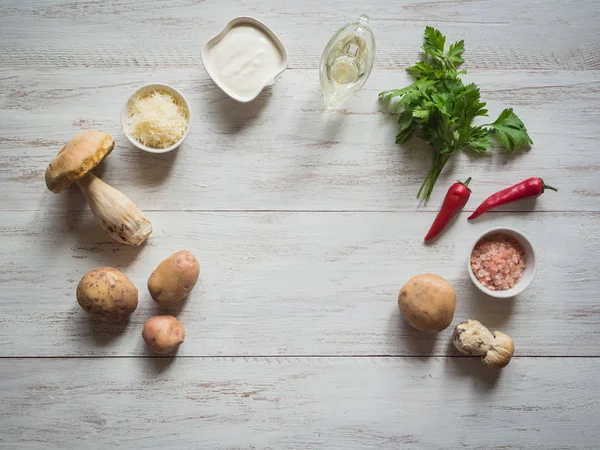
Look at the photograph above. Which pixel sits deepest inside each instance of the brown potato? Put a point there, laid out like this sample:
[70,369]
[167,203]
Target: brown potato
[107,294]
[163,334]
[174,278]
[427,302]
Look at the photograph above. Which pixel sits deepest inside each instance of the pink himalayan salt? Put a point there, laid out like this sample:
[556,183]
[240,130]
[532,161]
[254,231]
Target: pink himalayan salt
[498,262]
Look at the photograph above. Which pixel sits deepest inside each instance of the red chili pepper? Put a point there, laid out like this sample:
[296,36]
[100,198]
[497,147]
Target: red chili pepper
[531,187]
[455,200]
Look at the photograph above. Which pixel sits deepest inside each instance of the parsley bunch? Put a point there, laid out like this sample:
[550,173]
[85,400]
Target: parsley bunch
[442,108]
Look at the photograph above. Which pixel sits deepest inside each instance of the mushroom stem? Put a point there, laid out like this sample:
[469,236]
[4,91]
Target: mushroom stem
[118,215]
[501,352]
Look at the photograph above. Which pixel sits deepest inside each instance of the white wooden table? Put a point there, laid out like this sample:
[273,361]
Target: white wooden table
[306,226]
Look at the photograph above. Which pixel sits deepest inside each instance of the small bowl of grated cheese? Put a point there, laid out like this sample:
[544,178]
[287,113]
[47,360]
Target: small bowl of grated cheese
[156,118]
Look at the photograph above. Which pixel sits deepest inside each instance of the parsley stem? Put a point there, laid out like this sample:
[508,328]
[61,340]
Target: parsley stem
[432,176]
[423,184]
[440,166]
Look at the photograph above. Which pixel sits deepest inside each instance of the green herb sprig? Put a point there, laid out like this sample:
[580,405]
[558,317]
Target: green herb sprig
[442,108]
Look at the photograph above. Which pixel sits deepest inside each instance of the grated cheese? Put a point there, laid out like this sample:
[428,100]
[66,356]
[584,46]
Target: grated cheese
[156,120]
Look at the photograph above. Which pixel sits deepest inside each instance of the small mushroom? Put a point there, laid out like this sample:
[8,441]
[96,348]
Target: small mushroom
[118,215]
[472,338]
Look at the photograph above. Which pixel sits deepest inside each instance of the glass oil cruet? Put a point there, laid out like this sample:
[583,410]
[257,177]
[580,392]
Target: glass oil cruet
[347,62]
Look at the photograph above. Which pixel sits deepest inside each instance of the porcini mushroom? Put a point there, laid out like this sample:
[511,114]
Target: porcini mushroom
[472,338]
[118,215]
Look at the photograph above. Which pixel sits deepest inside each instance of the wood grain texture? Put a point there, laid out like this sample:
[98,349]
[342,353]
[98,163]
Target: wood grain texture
[306,226]
[294,283]
[289,403]
[284,152]
[511,34]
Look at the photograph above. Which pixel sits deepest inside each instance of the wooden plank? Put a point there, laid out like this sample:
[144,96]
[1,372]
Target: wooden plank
[294,283]
[282,152]
[289,403]
[511,34]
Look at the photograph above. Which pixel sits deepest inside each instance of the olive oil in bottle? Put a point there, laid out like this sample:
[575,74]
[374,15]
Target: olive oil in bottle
[347,62]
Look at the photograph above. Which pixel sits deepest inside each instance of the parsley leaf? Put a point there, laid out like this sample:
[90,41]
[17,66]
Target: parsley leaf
[479,139]
[511,130]
[434,42]
[455,52]
[442,109]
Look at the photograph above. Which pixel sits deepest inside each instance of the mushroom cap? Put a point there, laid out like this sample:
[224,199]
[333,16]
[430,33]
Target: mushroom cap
[472,338]
[78,157]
